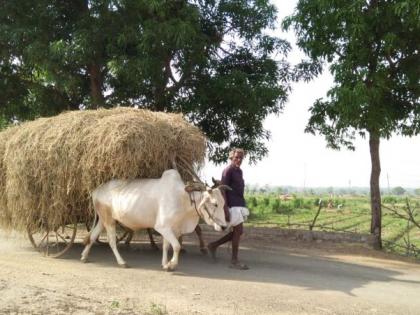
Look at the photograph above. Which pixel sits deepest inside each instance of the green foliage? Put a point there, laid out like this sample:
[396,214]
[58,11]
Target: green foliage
[275,205]
[352,217]
[372,48]
[417,191]
[266,201]
[157,309]
[389,199]
[210,60]
[398,190]
[252,202]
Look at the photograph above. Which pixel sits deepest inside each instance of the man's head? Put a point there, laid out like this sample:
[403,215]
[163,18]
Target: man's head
[236,156]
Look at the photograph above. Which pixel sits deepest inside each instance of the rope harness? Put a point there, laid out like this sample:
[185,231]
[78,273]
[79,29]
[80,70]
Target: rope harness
[211,215]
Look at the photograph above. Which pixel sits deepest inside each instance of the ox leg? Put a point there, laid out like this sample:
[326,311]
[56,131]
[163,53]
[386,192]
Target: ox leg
[92,237]
[169,236]
[165,248]
[112,240]
[152,241]
[203,248]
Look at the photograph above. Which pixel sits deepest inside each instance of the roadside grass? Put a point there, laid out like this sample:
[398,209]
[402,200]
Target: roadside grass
[344,213]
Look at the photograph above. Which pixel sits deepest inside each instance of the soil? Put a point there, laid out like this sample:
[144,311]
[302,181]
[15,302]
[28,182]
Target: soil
[285,277]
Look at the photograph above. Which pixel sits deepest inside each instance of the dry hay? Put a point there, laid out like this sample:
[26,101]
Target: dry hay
[51,165]
[5,218]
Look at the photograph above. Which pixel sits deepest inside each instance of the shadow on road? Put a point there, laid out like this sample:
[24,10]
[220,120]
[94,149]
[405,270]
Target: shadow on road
[268,265]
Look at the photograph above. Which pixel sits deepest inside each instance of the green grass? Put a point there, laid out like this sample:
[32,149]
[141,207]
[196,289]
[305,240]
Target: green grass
[353,215]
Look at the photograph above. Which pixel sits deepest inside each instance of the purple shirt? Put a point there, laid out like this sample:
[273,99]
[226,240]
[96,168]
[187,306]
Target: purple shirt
[232,176]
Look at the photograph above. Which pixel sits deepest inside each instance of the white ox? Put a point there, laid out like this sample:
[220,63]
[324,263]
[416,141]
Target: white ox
[165,204]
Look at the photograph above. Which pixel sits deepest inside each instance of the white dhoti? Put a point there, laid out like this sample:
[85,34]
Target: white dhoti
[238,215]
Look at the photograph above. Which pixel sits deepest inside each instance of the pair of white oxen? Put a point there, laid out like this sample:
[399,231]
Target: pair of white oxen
[165,204]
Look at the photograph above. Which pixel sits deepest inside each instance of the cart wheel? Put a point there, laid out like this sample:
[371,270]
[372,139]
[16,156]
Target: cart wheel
[56,242]
[122,233]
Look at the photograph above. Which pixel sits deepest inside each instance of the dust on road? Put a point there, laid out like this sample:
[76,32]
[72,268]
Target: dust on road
[285,278]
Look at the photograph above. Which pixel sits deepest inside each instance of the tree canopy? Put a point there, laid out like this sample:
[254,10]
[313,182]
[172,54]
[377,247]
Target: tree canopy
[372,49]
[210,60]
[398,190]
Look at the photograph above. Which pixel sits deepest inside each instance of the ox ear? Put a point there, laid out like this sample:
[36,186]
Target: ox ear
[224,188]
[216,181]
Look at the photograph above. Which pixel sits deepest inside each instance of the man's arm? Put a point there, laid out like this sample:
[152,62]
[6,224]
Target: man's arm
[226,180]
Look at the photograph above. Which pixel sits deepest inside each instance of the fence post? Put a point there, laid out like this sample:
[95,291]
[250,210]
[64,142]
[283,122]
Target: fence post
[311,226]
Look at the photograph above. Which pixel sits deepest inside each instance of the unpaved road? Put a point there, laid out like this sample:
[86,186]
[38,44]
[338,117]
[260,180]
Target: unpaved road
[285,278]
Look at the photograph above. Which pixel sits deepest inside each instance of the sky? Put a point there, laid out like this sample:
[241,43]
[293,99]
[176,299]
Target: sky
[303,160]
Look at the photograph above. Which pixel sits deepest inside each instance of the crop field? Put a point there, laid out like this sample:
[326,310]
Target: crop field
[345,213]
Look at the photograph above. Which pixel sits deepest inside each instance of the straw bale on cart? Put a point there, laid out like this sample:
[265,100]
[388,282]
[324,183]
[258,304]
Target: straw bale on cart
[49,166]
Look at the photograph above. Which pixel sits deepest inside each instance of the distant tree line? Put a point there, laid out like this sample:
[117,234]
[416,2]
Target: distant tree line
[284,190]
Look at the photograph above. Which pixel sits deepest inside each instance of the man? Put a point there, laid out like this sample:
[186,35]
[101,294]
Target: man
[235,207]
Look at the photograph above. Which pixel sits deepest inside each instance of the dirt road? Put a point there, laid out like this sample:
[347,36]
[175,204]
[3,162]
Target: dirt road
[285,278]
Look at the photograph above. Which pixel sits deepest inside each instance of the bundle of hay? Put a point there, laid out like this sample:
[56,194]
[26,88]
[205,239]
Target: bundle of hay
[51,165]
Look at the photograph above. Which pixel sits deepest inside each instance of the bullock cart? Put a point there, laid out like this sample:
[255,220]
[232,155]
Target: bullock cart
[49,166]
[56,241]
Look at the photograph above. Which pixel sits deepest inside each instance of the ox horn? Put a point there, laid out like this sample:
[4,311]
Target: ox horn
[194,186]
[224,187]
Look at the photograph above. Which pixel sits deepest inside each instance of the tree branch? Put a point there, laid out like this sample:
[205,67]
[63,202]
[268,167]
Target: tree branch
[409,214]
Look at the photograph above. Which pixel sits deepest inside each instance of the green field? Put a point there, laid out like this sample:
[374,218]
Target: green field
[339,213]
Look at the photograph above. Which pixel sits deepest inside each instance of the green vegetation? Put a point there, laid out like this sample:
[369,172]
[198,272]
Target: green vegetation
[157,309]
[371,49]
[210,60]
[346,213]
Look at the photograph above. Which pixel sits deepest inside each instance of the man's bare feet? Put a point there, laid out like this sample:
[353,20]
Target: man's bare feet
[238,265]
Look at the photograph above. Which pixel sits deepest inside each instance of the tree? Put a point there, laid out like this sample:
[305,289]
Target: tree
[372,49]
[398,190]
[210,60]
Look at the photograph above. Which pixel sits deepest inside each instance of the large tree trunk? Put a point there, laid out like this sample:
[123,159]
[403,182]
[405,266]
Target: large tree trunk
[95,78]
[375,192]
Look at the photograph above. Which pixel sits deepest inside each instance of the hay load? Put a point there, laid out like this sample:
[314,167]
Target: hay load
[51,165]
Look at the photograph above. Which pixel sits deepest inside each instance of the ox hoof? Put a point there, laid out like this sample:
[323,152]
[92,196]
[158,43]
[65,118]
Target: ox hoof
[84,260]
[169,267]
[124,265]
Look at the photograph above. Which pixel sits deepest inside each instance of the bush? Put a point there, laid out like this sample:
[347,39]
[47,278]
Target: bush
[284,208]
[389,199]
[266,201]
[252,202]
[275,205]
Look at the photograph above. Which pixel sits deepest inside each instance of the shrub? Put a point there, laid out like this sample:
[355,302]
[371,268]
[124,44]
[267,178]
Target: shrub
[284,208]
[298,203]
[275,205]
[252,202]
[266,201]
[389,199]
